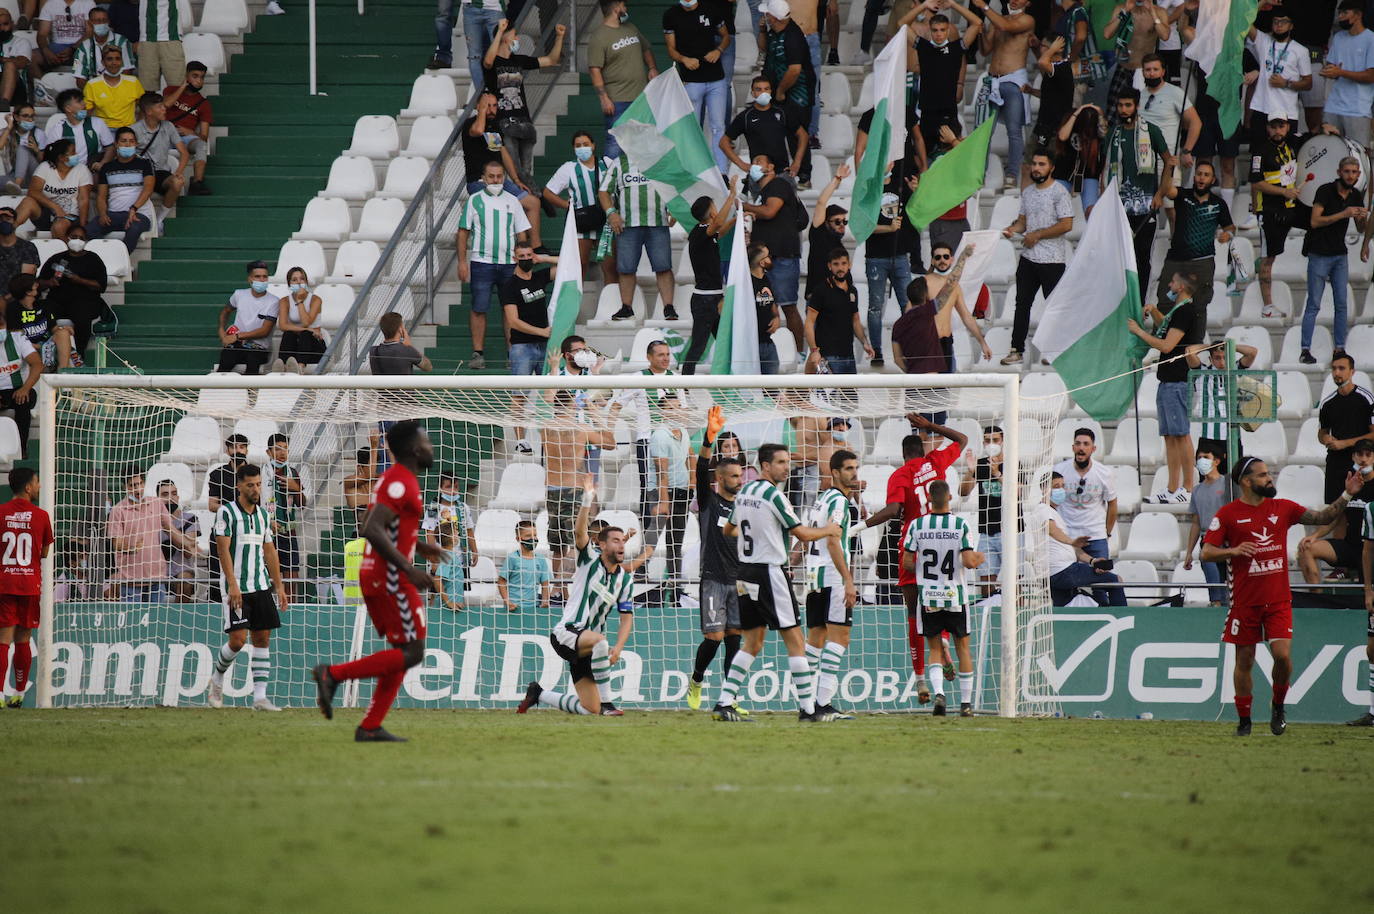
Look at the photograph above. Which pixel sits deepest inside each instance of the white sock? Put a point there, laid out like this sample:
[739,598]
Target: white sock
[804,682]
[563,702]
[739,669]
[601,669]
[966,688]
[813,654]
[260,661]
[224,661]
[829,679]
[936,672]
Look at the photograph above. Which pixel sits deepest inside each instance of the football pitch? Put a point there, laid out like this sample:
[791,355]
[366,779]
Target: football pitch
[189,810]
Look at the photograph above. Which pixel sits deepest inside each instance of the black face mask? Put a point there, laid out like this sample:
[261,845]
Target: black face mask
[525,265]
[1154,81]
[1344,24]
[6,34]
[6,228]
[172,507]
[1282,36]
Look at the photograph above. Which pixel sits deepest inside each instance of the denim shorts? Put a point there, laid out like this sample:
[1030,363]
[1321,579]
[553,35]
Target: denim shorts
[634,240]
[991,547]
[527,358]
[475,187]
[785,277]
[485,278]
[1172,404]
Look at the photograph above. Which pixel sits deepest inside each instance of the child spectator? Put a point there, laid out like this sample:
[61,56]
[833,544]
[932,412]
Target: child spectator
[525,576]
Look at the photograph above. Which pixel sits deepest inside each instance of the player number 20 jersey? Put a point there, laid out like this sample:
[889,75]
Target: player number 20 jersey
[830,508]
[938,542]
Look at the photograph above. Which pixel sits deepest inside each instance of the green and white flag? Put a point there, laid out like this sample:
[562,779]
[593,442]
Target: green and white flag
[886,135]
[1219,47]
[952,178]
[736,349]
[664,142]
[566,300]
[1083,333]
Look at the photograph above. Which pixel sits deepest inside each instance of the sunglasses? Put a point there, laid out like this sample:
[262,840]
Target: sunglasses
[839,221]
[1080,489]
[941,257]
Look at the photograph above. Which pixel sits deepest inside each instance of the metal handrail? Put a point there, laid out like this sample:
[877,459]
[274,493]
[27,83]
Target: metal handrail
[414,261]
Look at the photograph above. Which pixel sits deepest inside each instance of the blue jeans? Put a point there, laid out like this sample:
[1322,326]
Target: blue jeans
[444,21]
[146,592]
[484,279]
[117,220]
[1323,269]
[1091,191]
[527,358]
[841,365]
[756,17]
[479,28]
[612,147]
[1215,574]
[635,240]
[768,358]
[1012,116]
[1097,549]
[882,272]
[1079,575]
[708,100]
[813,41]
[785,275]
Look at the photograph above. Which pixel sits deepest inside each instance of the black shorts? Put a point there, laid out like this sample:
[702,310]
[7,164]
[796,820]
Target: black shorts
[564,641]
[562,503]
[257,614]
[944,620]
[1274,230]
[827,607]
[1348,555]
[766,598]
[160,180]
[288,551]
[1210,142]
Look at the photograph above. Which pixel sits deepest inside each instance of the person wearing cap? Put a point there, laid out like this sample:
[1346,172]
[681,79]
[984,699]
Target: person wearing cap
[1285,71]
[1274,181]
[1340,543]
[221,485]
[787,62]
[16,255]
[1350,69]
[246,323]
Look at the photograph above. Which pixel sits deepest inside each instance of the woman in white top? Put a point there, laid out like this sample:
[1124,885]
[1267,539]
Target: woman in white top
[59,191]
[302,339]
[23,141]
[581,178]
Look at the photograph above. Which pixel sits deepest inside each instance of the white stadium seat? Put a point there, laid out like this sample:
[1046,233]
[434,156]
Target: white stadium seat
[1303,484]
[308,255]
[114,255]
[1135,571]
[1252,303]
[381,216]
[196,439]
[638,357]
[224,17]
[1321,349]
[1192,596]
[325,219]
[876,477]
[625,495]
[428,135]
[1295,394]
[205,47]
[225,403]
[178,473]
[375,136]
[404,175]
[1268,442]
[354,262]
[11,448]
[350,178]
[1127,490]
[336,299]
[495,532]
[1306,447]
[257,431]
[609,303]
[1154,537]
[521,488]
[431,94]
[887,443]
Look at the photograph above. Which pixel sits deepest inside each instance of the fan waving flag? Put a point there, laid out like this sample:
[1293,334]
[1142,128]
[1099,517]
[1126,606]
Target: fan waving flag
[886,135]
[952,179]
[566,300]
[664,142]
[1083,333]
[736,350]
[1219,47]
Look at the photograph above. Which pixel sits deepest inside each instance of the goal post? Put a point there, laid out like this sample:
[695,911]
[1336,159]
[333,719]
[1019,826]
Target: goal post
[118,638]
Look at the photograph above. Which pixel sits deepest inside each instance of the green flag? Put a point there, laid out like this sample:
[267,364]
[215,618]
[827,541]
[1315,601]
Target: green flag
[566,300]
[952,179]
[885,135]
[1219,48]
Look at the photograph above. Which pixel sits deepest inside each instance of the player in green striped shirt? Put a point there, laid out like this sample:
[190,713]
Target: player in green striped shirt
[830,590]
[252,585]
[640,221]
[1210,392]
[1367,718]
[936,548]
[492,221]
[600,584]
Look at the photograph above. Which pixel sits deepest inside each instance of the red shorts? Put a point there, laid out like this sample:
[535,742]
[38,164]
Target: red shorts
[1253,624]
[397,611]
[19,609]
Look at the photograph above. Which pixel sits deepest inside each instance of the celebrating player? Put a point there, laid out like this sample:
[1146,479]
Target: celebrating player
[1367,555]
[907,498]
[251,569]
[391,583]
[764,523]
[830,590]
[25,538]
[718,598]
[936,550]
[599,584]
[1252,532]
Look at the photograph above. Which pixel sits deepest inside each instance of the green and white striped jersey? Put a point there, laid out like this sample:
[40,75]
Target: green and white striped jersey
[1369,521]
[162,20]
[1210,395]
[939,541]
[494,222]
[595,592]
[14,349]
[633,194]
[763,519]
[248,535]
[830,508]
[578,180]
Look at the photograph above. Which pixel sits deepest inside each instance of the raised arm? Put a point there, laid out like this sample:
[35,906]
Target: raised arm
[1325,515]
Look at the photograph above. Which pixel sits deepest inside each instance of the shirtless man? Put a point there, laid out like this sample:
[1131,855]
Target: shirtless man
[1006,41]
[1148,25]
[814,436]
[944,275]
[565,441]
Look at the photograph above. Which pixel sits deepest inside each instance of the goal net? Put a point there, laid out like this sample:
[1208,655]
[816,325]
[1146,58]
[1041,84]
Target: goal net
[133,467]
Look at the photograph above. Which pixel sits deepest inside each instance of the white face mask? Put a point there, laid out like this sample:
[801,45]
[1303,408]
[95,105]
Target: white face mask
[76,245]
[993,450]
[584,358]
[1364,471]
[1205,464]
[495,189]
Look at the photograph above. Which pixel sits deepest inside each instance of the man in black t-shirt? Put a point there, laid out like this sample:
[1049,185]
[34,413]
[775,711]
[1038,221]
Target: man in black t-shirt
[765,307]
[772,127]
[1201,220]
[833,322]
[778,216]
[941,58]
[1274,176]
[1346,548]
[1178,325]
[1345,416]
[1335,205]
[829,222]
[695,35]
[708,292]
[525,304]
[482,143]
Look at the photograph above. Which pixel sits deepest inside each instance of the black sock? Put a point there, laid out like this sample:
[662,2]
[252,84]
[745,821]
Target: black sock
[732,643]
[706,652]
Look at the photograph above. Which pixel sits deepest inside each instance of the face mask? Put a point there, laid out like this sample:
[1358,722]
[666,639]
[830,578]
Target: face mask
[756,172]
[26,126]
[1057,496]
[940,44]
[1343,24]
[126,152]
[1282,36]
[1154,82]
[939,272]
[172,507]
[1364,471]
[583,153]
[450,497]
[101,30]
[688,4]
[1205,464]
[1171,295]
[81,115]
[763,99]
[6,35]
[73,161]
[525,265]
[6,228]
[495,189]
[515,46]
[259,286]
[298,287]
[584,358]
[279,464]
[624,17]
[76,245]
[993,450]
[115,72]
[529,544]
[839,435]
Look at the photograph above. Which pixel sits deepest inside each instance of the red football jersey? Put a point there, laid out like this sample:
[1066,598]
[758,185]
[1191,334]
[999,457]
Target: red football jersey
[1263,578]
[25,532]
[908,482]
[399,490]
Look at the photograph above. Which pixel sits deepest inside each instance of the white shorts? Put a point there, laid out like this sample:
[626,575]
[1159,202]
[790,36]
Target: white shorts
[826,607]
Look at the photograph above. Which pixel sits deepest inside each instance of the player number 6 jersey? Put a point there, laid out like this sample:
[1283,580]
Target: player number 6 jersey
[763,520]
[830,508]
[938,541]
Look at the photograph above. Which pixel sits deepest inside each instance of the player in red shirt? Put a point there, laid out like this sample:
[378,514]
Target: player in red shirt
[391,583]
[25,538]
[907,498]
[1252,533]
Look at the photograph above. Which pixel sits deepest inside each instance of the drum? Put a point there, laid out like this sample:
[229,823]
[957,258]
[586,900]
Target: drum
[1319,160]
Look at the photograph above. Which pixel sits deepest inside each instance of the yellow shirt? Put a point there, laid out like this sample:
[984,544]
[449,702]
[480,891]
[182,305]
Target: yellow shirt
[353,565]
[113,103]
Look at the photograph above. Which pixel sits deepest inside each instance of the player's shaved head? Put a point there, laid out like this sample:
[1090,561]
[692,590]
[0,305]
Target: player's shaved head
[912,447]
[938,492]
[21,478]
[410,444]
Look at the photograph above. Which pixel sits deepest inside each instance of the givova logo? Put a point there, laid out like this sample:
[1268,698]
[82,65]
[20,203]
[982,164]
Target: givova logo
[1090,636]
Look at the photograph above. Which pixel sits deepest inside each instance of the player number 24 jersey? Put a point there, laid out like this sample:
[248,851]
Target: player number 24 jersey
[938,542]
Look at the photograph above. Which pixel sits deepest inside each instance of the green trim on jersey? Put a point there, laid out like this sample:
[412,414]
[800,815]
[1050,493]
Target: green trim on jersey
[831,507]
[633,194]
[939,568]
[248,534]
[764,520]
[595,592]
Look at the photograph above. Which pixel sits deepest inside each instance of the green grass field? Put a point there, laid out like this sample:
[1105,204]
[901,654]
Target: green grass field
[183,810]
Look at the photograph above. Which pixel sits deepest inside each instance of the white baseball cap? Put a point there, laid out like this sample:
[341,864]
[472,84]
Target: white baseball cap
[779,9]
